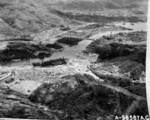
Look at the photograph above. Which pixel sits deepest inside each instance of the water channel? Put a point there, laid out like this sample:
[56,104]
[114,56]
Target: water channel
[71,52]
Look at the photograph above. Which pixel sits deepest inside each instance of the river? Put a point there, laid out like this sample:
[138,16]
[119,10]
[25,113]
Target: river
[139,26]
[71,52]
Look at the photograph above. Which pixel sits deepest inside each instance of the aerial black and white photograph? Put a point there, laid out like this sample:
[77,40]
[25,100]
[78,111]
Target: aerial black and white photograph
[73,59]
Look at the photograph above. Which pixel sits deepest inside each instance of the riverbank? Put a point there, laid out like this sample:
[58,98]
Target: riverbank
[72,59]
[123,51]
[90,76]
[75,89]
[64,43]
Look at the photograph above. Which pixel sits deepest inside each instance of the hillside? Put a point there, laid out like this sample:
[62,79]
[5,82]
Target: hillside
[99,4]
[28,17]
[88,10]
[72,59]
[21,17]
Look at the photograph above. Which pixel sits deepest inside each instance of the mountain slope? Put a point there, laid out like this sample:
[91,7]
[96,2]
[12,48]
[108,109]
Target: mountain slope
[19,17]
[26,16]
[99,4]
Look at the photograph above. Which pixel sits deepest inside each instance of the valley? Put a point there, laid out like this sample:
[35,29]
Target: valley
[72,60]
